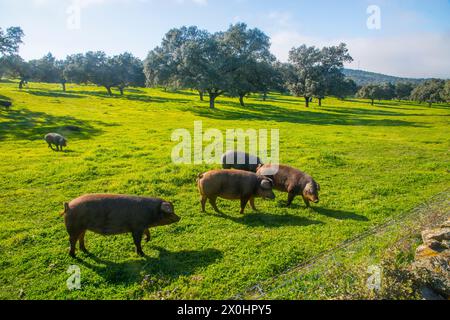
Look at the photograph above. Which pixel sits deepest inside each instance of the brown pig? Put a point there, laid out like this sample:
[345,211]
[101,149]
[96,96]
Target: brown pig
[109,214]
[292,181]
[233,185]
[55,139]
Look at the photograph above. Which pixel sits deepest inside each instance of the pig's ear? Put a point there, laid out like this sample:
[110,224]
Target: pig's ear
[308,188]
[167,207]
[266,184]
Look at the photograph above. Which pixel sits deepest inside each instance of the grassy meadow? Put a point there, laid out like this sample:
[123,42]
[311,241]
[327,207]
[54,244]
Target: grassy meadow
[373,164]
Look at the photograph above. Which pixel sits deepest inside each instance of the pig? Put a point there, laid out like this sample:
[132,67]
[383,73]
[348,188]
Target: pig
[292,181]
[233,185]
[110,214]
[241,161]
[5,104]
[58,140]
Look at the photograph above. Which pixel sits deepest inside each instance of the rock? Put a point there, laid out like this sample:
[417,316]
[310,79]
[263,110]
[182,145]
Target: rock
[439,234]
[424,251]
[446,224]
[432,261]
[436,270]
[429,294]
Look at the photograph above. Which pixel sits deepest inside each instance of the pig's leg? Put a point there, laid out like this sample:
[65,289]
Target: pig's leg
[203,202]
[243,204]
[147,235]
[73,241]
[252,203]
[291,196]
[137,237]
[81,239]
[212,201]
[306,201]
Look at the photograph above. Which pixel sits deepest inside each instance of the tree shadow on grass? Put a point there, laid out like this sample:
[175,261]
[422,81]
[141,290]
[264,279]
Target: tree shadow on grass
[268,220]
[340,214]
[270,112]
[31,125]
[370,112]
[2,97]
[168,266]
[134,97]
[54,94]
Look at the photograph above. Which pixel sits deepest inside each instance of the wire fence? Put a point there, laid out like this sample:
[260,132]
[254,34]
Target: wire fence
[439,202]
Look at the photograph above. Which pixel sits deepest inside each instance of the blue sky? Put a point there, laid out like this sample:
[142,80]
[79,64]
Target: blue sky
[414,39]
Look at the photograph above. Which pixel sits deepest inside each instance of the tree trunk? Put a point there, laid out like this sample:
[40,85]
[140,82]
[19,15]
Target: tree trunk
[63,84]
[264,96]
[121,91]
[241,100]
[213,94]
[22,83]
[373,101]
[306,102]
[320,102]
[200,93]
[109,90]
[429,104]
[212,100]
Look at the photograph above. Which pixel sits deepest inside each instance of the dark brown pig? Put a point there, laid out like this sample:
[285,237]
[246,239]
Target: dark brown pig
[109,214]
[233,185]
[292,181]
[5,104]
[241,161]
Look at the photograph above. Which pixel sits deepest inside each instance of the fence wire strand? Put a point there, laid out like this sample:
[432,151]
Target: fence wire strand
[257,291]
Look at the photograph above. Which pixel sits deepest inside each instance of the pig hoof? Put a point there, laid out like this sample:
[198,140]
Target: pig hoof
[140,253]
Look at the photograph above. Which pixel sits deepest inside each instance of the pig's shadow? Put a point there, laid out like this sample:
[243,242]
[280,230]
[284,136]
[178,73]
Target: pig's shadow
[258,219]
[339,214]
[168,266]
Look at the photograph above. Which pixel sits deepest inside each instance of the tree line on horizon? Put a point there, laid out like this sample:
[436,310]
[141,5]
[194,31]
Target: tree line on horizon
[236,62]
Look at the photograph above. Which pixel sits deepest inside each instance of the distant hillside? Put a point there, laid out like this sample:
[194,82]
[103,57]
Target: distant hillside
[365,77]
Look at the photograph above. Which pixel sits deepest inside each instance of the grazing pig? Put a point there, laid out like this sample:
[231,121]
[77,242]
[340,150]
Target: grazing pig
[58,140]
[231,185]
[241,161]
[292,181]
[5,104]
[115,214]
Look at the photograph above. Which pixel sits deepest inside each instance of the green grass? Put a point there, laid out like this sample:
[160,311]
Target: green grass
[372,163]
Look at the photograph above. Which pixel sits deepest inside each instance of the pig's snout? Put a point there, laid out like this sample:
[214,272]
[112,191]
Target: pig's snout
[174,218]
[268,195]
[271,196]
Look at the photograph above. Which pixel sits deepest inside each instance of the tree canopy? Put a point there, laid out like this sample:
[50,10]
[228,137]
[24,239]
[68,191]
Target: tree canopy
[314,72]
[96,67]
[10,40]
[431,91]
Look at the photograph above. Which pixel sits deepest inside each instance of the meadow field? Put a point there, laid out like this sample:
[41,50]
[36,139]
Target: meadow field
[373,163]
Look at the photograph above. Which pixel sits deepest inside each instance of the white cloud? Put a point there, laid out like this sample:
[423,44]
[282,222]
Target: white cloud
[418,55]
[281,18]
